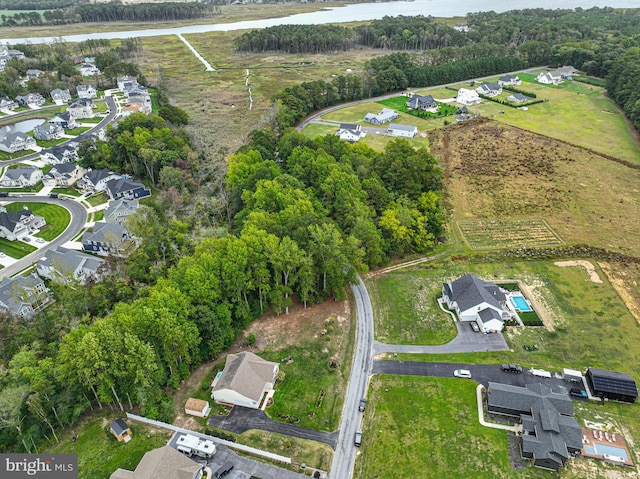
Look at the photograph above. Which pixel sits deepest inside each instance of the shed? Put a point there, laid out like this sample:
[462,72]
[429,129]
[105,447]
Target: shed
[612,385]
[120,430]
[571,375]
[197,407]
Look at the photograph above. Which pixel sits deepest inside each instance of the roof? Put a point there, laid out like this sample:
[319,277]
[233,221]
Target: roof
[613,382]
[520,400]
[67,261]
[398,126]
[508,78]
[161,463]
[419,101]
[105,232]
[122,204]
[15,135]
[85,87]
[16,173]
[121,185]
[194,404]
[246,373]
[470,291]
[12,291]
[491,86]
[94,176]
[81,103]
[385,115]
[119,426]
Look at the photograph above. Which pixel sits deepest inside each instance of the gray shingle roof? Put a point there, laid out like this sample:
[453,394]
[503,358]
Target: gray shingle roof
[470,291]
[162,463]
[398,126]
[246,373]
[66,261]
[105,233]
[16,173]
[13,292]
[122,185]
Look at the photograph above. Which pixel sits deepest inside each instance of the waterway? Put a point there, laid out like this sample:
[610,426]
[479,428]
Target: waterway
[23,126]
[349,13]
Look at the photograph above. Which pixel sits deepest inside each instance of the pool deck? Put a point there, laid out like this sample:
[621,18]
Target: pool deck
[591,437]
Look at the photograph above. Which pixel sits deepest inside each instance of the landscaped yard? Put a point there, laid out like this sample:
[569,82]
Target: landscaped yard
[57,217]
[66,191]
[15,249]
[78,130]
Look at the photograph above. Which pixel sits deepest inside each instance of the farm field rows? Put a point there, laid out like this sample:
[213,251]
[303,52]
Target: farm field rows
[487,233]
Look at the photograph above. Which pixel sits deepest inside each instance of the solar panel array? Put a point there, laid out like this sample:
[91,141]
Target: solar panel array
[613,382]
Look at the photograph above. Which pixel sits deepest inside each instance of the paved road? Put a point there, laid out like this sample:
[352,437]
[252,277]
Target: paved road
[467,341]
[242,419]
[78,220]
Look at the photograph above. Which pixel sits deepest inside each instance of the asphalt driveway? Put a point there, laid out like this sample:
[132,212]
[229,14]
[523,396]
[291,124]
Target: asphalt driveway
[241,419]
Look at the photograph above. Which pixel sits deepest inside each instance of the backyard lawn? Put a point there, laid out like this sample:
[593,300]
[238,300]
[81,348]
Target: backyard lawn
[57,217]
[15,249]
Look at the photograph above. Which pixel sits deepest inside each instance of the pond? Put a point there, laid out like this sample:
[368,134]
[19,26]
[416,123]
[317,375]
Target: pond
[24,126]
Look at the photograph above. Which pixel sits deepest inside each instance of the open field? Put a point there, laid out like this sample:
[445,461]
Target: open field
[406,311]
[488,233]
[100,453]
[57,217]
[495,171]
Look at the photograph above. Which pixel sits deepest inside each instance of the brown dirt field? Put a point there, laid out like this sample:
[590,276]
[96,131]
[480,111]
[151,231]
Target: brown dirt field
[625,278]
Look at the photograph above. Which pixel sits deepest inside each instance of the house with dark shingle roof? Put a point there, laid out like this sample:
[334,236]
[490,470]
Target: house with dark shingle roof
[107,239]
[117,211]
[65,119]
[7,103]
[63,174]
[518,98]
[245,380]
[350,132]
[60,96]
[15,225]
[385,116]
[21,177]
[163,463]
[489,89]
[23,295]
[48,131]
[17,141]
[96,180]
[127,189]
[550,433]
[474,299]
[59,154]
[32,100]
[67,265]
[513,80]
[419,102]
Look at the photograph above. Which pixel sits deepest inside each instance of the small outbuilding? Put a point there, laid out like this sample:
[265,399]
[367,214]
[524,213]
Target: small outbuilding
[407,131]
[197,407]
[121,430]
[612,385]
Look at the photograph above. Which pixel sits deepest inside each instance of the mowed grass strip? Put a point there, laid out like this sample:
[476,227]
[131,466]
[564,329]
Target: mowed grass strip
[428,428]
[494,233]
[406,310]
[57,217]
[15,249]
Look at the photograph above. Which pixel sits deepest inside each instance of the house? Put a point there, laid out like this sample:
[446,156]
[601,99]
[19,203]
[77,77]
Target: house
[21,177]
[385,116]
[88,69]
[15,225]
[63,174]
[124,81]
[7,103]
[86,91]
[60,96]
[467,97]
[59,154]
[66,265]
[120,430]
[48,131]
[23,295]
[396,129]
[17,141]
[65,120]
[117,211]
[350,132]
[163,463]
[132,107]
[81,108]
[16,54]
[34,73]
[127,189]
[197,407]
[549,78]
[566,71]
[550,433]
[489,89]
[419,102]
[476,300]
[246,380]
[509,80]
[32,100]
[612,385]
[96,180]
[518,98]
[107,239]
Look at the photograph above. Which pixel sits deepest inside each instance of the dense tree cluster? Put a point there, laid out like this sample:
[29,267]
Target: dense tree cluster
[623,84]
[297,39]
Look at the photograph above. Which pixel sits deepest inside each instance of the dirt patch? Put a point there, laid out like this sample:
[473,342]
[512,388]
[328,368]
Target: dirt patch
[625,279]
[591,271]
[533,290]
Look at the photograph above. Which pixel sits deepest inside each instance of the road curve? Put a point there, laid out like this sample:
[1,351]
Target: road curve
[78,220]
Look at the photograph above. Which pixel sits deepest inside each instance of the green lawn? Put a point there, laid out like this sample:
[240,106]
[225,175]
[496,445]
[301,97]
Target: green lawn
[57,217]
[97,200]
[428,428]
[100,107]
[95,119]
[15,249]
[67,191]
[50,143]
[78,130]
[99,452]
[31,189]
[98,215]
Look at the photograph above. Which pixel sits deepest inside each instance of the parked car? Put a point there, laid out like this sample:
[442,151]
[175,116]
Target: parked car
[475,326]
[2,255]
[358,439]
[26,239]
[223,470]
[362,405]
[511,368]
[578,393]
[39,240]
[462,373]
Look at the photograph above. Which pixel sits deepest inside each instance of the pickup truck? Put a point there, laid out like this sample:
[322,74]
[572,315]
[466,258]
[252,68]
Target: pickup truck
[511,368]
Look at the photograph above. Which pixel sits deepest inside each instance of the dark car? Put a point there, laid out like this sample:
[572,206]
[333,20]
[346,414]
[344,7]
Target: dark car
[362,405]
[511,368]
[358,439]
[223,470]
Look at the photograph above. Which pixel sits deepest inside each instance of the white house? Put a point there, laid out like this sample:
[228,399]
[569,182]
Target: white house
[21,177]
[96,180]
[86,91]
[48,131]
[476,300]
[15,225]
[350,132]
[509,80]
[32,100]
[489,89]
[7,103]
[23,295]
[66,265]
[246,380]
[566,71]
[396,129]
[17,141]
[60,96]
[81,108]
[467,97]
[59,154]
[88,70]
[549,78]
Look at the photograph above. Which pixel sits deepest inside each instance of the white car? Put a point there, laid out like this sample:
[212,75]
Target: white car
[39,240]
[462,373]
[2,255]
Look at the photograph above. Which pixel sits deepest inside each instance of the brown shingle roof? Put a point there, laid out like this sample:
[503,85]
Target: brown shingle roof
[162,463]
[194,404]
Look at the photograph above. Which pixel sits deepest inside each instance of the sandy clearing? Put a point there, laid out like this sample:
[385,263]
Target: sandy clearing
[593,275]
[533,291]
[624,284]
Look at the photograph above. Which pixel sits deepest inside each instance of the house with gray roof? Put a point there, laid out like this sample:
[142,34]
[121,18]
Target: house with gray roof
[385,116]
[81,108]
[67,265]
[550,433]
[48,131]
[60,96]
[65,119]
[566,71]
[489,89]
[518,98]
[108,239]
[419,102]
[32,100]
[127,189]
[549,78]
[86,91]
[23,295]
[15,225]
[407,131]
[246,380]
[34,73]
[17,141]
[7,103]
[21,177]
[509,80]
[117,211]
[59,154]
[350,132]
[474,299]
[63,174]
[88,69]
[96,180]
[163,463]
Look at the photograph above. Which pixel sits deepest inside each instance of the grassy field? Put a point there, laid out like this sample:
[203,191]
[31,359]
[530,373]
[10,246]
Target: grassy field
[66,191]
[100,453]
[15,249]
[406,310]
[78,130]
[484,234]
[57,217]
[95,119]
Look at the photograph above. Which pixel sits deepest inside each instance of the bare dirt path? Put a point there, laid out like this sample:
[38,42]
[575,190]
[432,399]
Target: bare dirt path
[591,271]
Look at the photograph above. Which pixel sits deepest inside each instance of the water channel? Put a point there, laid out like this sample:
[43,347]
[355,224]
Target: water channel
[24,126]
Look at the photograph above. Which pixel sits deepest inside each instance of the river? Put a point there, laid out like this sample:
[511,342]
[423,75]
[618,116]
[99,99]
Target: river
[349,13]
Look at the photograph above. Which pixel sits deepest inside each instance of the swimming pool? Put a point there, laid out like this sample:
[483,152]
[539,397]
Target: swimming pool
[520,303]
[601,449]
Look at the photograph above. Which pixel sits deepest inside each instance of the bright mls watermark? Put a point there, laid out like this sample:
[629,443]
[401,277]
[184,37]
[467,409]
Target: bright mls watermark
[46,466]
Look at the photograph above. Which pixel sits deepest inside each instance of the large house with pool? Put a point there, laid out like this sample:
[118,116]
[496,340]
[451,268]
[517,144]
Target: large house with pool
[474,299]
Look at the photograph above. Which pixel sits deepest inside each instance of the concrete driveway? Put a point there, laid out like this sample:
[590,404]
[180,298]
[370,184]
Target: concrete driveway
[242,419]
[467,341]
